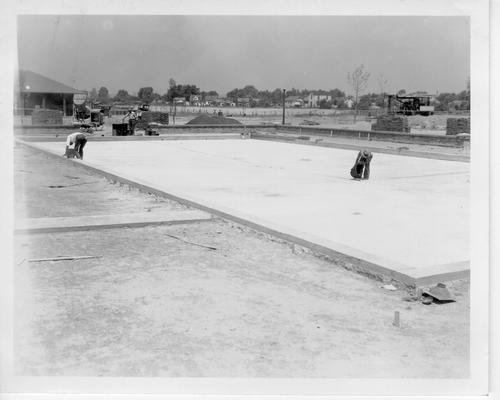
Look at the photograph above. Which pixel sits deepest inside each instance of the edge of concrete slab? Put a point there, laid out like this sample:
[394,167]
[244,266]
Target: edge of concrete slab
[376,267]
[184,136]
[345,146]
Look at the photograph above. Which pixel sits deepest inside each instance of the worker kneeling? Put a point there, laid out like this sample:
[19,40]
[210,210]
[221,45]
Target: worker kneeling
[361,169]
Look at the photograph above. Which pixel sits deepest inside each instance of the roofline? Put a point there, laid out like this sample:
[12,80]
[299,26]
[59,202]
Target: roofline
[22,89]
[75,92]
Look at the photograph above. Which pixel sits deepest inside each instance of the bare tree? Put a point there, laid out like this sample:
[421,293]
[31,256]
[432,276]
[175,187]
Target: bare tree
[382,83]
[358,80]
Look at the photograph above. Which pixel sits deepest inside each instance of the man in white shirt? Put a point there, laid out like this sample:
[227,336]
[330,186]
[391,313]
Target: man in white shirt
[132,120]
[75,143]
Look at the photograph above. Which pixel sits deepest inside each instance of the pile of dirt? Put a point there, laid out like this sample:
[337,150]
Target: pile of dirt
[205,119]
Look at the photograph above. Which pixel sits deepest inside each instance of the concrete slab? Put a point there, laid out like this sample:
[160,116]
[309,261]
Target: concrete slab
[87,222]
[411,217]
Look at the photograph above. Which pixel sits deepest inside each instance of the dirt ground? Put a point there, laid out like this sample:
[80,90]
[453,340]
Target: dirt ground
[434,124]
[153,305]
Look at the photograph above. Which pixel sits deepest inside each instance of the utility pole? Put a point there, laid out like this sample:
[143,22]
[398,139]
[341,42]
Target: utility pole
[284,91]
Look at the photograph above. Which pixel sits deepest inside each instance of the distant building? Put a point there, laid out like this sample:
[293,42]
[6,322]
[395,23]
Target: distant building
[179,100]
[118,109]
[195,99]
[314,99]
[159,106]
[33,90]
[225,102]
[211,98]
[294,101]
[349,103]
[243,101]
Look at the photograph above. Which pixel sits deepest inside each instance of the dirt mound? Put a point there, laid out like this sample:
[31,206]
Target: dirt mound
[213,120]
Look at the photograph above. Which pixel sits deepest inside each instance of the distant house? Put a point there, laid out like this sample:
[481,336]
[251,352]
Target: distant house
[33,90]
[195,99]
[159,106]
[179,100]
[314,99]
[294,101]
[211,98]
[349,103]
[119,109]
[224,102]
[243,101]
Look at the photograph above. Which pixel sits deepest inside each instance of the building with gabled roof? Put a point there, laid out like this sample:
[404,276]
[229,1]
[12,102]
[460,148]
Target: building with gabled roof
[33,90]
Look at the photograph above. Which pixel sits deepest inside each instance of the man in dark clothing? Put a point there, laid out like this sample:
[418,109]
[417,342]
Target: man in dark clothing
[361,169]
[132,120]
[80,142]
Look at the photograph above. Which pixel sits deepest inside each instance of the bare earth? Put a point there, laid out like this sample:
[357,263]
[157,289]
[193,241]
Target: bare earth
[153,305]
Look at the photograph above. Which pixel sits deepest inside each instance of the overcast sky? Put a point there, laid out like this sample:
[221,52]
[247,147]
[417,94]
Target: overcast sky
[222,53]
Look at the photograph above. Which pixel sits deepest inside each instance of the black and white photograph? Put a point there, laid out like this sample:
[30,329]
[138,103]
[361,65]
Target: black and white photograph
[248,201]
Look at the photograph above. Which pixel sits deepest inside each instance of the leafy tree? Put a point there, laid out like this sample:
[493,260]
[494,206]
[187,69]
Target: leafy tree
[103,95]
[336,93]
[146,94]
[325,104]
[247,91]
[463,95]
[122,95]
[277,96]
[358,80]
[181,91]
[364,102]
[444,100]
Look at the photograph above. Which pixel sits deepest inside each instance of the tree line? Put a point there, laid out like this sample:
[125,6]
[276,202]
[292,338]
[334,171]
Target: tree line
[357,81]
[148,95]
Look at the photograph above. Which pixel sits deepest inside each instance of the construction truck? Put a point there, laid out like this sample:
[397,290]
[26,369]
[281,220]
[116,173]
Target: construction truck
[85,115]
[419,104]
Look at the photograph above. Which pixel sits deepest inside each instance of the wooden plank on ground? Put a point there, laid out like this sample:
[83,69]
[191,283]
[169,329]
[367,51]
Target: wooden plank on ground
[89,222]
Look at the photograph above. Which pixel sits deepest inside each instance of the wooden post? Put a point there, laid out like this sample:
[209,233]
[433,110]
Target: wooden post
[64,105]
[396,321]
[43,102]
[284,91]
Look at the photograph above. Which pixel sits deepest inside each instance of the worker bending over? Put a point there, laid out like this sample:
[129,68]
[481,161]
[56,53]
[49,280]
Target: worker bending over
[75,143]
[361,169]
